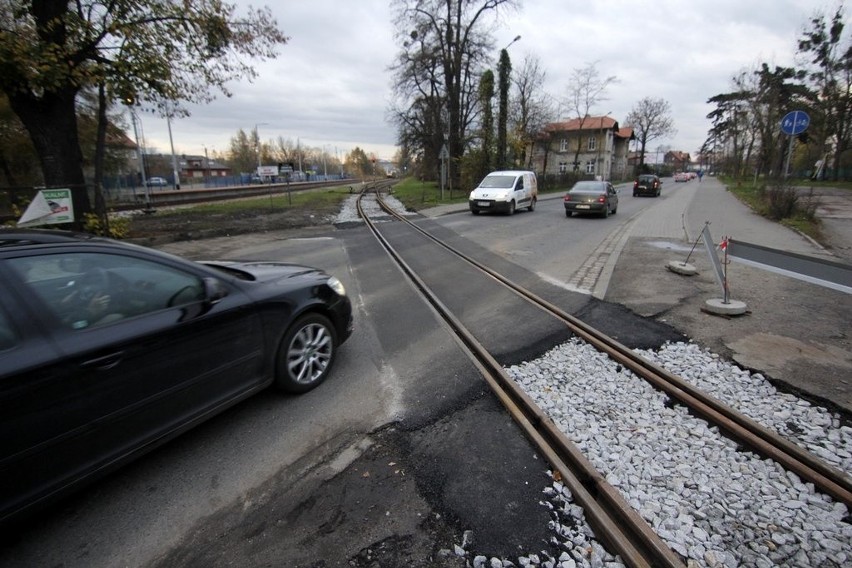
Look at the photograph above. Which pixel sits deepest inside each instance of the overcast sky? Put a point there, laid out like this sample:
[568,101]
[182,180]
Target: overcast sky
[330,85]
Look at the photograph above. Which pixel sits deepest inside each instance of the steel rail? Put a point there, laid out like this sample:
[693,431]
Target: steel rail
[750,433]
[614,521]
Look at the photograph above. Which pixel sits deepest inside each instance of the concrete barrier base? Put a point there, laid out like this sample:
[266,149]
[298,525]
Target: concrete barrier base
[683,268]
[720,307]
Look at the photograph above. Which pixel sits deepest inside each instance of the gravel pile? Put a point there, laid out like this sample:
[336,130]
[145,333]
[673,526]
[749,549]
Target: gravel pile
[713,503]
[349,211]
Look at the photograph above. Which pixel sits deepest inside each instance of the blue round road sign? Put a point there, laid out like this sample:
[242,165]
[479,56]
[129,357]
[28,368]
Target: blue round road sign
[795,122]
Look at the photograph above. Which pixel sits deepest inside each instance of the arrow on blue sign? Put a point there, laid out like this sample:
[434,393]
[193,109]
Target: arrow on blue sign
[795,122]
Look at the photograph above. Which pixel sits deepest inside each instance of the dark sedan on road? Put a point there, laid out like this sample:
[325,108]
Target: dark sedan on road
[109,349]
[647,184]
[598,197]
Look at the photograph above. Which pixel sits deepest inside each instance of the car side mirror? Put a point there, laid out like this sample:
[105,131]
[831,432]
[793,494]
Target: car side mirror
[214,290]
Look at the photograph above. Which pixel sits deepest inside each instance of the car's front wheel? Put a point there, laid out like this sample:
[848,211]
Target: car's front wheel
[306,354]
[511,210]
[567,213]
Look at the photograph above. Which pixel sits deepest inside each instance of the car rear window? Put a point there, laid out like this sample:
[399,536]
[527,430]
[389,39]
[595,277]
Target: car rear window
[588,187]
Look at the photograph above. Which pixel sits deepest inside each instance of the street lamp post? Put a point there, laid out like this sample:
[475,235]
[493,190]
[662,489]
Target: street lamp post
[517,37]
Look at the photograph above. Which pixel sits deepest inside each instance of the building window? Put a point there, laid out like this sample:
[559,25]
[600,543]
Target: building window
[563,145]
[593,143]
[563,167]
[590,167]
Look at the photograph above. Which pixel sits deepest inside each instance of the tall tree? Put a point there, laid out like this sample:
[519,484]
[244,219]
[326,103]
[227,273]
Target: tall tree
[504,70]
[586,90]
[18,164]
[728,122]
[831,54]
[779,90]
[532,108]
[242,152]
[153,51]
[651,119]
[445,43]
[486,95]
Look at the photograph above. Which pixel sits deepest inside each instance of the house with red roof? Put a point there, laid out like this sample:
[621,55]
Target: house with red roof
[594,146]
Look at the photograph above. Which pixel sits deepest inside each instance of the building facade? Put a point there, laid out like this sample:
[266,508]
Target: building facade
[594,146]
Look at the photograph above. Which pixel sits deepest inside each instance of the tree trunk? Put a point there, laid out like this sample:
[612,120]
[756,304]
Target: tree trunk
[52,124]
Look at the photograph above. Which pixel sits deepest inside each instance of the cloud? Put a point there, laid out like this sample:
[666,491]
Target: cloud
[330,85]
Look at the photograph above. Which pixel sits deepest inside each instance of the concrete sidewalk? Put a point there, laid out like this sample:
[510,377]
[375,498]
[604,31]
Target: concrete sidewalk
[796,333]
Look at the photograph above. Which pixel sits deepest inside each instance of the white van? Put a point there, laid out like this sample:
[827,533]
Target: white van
[505,192]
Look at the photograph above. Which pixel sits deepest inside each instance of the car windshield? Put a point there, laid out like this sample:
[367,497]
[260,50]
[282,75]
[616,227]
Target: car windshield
[646,178]
[498,181]
[588,187]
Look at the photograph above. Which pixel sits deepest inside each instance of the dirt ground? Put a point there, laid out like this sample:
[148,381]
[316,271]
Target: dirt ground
[187,224]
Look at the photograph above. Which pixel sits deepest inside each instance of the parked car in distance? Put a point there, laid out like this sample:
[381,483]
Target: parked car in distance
[157,182]
[647,184]
[109,349]
[505,192]
[598,197]
[681,176]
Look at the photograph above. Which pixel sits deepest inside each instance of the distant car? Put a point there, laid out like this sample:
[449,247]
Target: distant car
[598,197]
[108,350]
[157,182]
[647,184]
[681,176]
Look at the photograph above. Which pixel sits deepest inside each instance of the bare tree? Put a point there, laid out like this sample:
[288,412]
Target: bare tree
[650,119]
[831,78]
[585,91]
[531,110]
[445,44]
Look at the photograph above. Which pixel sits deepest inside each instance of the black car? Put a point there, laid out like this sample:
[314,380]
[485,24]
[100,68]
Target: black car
[109,349]
[598,197]
[647,184]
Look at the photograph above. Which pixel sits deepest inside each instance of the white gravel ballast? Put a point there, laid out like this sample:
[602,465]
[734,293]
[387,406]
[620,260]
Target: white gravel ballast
[711,501]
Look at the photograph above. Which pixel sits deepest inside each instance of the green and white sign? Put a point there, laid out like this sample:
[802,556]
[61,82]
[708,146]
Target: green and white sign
[49,207]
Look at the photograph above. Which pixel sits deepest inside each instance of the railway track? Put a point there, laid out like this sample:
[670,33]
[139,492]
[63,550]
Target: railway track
[614,520]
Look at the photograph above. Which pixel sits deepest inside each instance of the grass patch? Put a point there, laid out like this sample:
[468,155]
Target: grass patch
[794,207]
[417,195]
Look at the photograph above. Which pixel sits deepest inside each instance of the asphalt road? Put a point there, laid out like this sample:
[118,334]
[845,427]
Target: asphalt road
[403,447]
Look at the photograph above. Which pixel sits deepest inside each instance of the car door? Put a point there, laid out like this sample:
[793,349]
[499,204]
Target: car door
[522,192]
[41,402]
[164,361]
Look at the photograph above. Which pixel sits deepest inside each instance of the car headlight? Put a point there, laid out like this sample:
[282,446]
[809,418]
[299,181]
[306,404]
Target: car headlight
[336,285]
